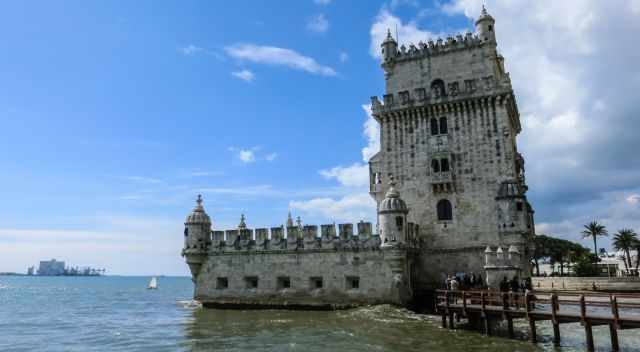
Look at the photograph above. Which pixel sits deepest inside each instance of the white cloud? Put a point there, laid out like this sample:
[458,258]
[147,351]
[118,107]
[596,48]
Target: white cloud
[111,236]
[271,156]
[318,24]
[278,56]
[253,154]
[407,33]
[356,175]
[633,199]
[353,207]
[244,75]
[190,50]
[372,133]
[322,2]
[344,57]
[247,156]
[575,103]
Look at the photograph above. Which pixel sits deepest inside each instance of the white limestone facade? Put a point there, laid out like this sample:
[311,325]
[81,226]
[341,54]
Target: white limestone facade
[448,126]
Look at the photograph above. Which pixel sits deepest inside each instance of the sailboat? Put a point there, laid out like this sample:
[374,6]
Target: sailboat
[153,284]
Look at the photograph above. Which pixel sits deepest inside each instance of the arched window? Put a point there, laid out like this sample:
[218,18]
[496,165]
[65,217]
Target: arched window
[444,165]
[445,212]
[435,165]
[443,125]
[399,223]
[437,88]
[434,126]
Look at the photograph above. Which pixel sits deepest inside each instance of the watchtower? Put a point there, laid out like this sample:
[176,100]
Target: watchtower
[448,126]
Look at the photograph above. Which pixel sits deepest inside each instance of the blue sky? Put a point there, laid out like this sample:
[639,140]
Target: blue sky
[116,114]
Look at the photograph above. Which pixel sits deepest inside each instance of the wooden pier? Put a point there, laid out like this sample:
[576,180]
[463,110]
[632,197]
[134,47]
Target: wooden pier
[559,307]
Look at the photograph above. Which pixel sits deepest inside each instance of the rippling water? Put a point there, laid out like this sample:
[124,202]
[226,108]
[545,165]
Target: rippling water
[120,314]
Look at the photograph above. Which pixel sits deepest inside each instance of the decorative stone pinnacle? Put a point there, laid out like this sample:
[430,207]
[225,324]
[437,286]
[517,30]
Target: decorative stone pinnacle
[242,224]
[298,221]
[199,200]
[484,10]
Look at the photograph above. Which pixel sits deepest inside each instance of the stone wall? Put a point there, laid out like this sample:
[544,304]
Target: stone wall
[291,279]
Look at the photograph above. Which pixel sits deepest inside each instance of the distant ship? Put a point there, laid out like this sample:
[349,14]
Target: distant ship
[153,284]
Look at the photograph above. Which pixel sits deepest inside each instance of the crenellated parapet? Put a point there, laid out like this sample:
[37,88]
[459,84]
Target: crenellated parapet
[295,238]
[441,93]
[501,263]
[435,47]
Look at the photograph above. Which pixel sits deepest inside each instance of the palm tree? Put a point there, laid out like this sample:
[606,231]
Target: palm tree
[624,240]
[593,230]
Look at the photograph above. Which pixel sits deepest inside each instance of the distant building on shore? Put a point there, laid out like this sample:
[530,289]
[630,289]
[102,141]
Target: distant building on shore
[57,268]
[51,268]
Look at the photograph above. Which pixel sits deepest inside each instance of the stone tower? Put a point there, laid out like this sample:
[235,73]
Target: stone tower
[197,238]
[448,126]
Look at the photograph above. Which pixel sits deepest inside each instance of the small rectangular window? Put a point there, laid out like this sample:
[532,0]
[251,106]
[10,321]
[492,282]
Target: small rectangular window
[353,282]
[251,282]
[519,206]
[222,283]
[283,282]
[315,283]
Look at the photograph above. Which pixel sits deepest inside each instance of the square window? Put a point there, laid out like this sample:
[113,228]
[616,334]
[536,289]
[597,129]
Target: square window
[315,283]
[353,282]
[251,282]
[519,206]
[283,282]
[222,283]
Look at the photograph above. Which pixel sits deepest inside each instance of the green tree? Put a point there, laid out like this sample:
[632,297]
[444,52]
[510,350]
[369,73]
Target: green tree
[594,230]
[541,250]
[624,241]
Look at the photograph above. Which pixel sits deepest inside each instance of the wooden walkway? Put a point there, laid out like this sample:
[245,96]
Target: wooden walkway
[559,307]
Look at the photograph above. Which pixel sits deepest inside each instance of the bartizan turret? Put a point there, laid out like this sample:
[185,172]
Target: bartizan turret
[197,238]
[392,218]
[485,27]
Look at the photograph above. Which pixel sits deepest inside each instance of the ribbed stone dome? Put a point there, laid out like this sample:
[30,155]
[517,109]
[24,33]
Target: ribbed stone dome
[392,202]
[484,15]
[198,215]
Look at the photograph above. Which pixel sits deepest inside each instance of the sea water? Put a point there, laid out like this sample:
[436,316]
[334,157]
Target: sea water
[120,314]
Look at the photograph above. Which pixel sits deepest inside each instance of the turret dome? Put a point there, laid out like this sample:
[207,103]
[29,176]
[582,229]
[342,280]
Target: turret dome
[198,215]
[484,16]
[392,202]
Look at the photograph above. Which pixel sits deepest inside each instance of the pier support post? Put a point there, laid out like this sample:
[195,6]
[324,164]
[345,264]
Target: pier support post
[510,327]
[589,334]
[613,327]
[532,330]
[554,319]
[615,346]
[587,324]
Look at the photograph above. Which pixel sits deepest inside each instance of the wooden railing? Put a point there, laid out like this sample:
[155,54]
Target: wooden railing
[559,307]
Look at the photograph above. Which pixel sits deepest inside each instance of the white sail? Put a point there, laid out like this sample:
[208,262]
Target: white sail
[153,284]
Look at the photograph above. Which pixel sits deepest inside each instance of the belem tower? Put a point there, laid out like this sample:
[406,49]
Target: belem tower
[448,182]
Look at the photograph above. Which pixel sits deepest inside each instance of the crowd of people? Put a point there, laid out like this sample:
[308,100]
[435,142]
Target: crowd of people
[473,281]
[515,285]
[464,282]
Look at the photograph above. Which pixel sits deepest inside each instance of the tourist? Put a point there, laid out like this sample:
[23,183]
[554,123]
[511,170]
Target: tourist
[514,284]
[504,285]
[454,284]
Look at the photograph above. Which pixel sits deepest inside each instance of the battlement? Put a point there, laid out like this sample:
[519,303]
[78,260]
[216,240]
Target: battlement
[435,48]
[441,93]
[502,258]
[298,238]
[295,238]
